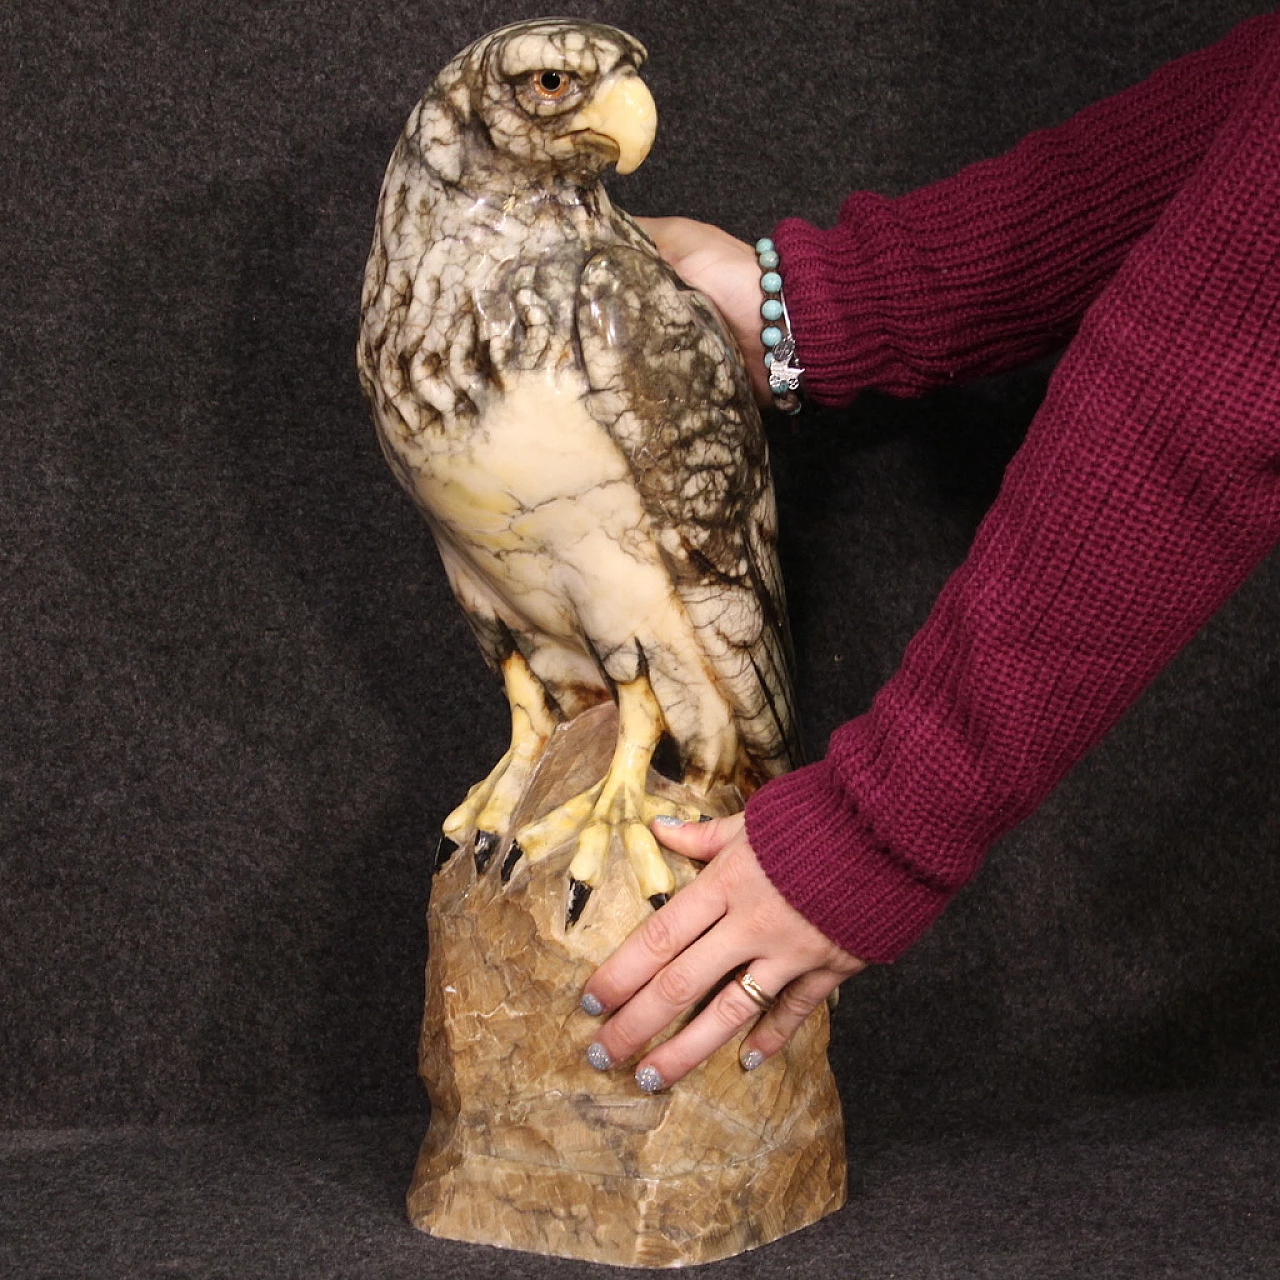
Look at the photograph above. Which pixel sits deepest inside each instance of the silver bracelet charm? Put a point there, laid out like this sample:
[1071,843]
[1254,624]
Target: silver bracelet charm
[785,377]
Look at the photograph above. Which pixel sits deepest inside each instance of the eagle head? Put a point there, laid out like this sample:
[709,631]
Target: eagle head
[546,98]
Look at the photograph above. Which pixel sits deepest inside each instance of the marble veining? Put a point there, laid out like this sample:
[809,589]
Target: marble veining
[577,428]
[535,1143]
[578,431]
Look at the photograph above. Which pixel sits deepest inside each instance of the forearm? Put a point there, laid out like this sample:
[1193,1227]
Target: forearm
[996,265]
[1148,488]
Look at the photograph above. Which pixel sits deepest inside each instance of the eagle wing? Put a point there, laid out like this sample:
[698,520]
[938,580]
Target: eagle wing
[667,383]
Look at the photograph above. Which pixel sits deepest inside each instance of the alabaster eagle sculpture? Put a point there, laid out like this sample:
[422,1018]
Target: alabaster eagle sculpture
[577,427]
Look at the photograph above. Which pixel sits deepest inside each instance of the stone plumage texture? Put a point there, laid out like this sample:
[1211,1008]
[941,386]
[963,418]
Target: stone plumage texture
[577,428]
[1148,487]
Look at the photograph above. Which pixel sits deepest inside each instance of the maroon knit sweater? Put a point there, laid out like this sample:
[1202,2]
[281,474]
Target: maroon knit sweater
[1147,489]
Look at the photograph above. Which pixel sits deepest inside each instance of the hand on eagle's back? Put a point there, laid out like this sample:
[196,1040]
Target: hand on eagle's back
[725,269]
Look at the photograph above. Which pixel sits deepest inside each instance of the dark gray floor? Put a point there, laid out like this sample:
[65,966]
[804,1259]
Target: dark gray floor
[1174,1186]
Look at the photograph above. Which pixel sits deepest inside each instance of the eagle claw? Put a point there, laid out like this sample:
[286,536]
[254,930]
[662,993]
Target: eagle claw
[486,847]
[579,892]
[514,854]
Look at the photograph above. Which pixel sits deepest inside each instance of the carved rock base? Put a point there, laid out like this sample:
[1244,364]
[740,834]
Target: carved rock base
[529,1147]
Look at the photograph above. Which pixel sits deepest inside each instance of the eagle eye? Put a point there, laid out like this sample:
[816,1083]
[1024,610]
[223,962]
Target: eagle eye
[551,85]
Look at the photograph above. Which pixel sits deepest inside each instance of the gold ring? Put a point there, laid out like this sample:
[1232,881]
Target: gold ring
[759,996]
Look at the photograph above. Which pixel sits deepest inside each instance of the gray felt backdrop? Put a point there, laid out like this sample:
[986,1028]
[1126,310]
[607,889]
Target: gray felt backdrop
[238,698]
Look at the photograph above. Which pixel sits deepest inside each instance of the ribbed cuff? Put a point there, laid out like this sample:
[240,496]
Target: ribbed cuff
[823,858]
[831,299]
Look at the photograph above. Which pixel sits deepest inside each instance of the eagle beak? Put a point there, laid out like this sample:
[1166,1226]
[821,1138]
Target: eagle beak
[624,113]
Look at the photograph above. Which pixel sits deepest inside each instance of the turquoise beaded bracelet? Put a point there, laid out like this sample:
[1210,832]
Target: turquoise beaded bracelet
[779,345]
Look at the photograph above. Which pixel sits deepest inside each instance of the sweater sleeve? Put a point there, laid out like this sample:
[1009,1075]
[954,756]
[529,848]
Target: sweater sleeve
[990,268]
[1146,491]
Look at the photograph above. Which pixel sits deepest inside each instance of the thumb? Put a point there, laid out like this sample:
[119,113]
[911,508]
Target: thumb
[670,237]
[700,840]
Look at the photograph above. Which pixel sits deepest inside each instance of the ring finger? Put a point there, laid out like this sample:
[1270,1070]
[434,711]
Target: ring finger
[731,1009]
[794,1004]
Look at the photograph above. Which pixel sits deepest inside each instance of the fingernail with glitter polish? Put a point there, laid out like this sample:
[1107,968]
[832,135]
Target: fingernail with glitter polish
[750,1061]
[650,1079]
[591,1005]
[668,820]
[599,1057]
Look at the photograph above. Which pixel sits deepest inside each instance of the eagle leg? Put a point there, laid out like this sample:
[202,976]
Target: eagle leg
[491,803]
[619,803]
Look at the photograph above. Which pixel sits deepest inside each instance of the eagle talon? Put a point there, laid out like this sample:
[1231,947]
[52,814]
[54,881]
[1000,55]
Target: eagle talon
[559,826]
[514,854]
[491,803]
[579,892]
[647,861]
[486,847]
[464,819]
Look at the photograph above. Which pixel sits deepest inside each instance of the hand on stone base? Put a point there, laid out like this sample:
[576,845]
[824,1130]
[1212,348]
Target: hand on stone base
[728,917]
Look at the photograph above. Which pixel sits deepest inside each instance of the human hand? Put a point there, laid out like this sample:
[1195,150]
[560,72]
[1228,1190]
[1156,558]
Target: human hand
[725,269]
[729,916]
